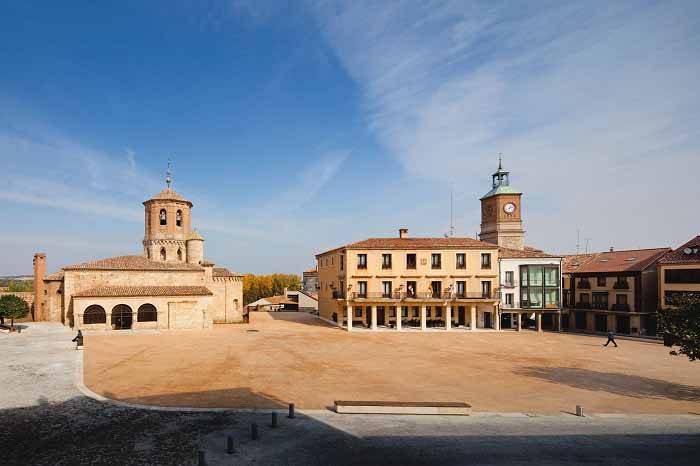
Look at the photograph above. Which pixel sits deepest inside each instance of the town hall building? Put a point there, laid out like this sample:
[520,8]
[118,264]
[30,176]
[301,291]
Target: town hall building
[170,286]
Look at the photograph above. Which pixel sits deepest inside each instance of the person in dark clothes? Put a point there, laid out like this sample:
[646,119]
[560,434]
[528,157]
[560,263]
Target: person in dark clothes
[78,339]
[611,339]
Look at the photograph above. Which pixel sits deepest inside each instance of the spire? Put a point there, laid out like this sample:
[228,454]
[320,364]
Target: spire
[168,174]
[500,156]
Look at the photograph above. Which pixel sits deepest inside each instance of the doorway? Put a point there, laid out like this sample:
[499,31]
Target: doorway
[461,316]
[122,317]
[487,320]
[623,324]
[507,320]
[380,315]
[601,323]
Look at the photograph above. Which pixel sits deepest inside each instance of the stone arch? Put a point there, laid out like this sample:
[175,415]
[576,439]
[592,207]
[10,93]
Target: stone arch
[179,254]
[122,317]
[94,314]
[163,255]
[163,216]
[178,218]
[147,313]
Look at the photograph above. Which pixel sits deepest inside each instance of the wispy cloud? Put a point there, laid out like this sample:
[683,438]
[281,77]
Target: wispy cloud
[593,106]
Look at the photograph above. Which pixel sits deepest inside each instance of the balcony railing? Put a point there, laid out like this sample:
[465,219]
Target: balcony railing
[507,305]
[600,306]
[583,305]
[511,284]
[621,307]
[584,285]
[621,285]
[423,295]
[338,295]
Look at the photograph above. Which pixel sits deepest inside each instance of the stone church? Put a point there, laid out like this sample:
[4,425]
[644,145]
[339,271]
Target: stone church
[170,286]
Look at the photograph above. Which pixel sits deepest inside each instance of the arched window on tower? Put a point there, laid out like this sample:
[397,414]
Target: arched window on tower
[163,217]
[179,254]
[148,253]
[162,254]
[178,218]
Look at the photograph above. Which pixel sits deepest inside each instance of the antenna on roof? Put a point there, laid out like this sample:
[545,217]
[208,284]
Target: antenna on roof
[169,173]
[587,240]
[578,242]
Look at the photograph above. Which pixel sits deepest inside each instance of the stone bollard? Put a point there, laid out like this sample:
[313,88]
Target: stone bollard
[201,460]
[253,431]
[579,410]
[291,411]
[229,445]
[274,420]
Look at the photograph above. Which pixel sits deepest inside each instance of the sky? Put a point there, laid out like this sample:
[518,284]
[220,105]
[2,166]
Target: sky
[298,126]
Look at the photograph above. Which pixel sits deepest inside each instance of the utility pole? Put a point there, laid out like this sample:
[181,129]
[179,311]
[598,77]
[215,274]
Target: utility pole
[578,242]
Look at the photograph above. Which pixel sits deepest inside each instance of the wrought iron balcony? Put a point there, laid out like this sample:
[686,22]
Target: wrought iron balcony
[621,307]
[511,284]
[338,295]
[583,305]
[600,306]
[621,285]
[584,284]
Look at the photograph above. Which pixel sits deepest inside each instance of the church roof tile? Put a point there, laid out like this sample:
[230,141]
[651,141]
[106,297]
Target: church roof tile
[134,291]
[133,263]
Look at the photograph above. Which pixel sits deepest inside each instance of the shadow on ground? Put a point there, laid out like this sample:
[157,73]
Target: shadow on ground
[616,383]
[240,397]
[300,318]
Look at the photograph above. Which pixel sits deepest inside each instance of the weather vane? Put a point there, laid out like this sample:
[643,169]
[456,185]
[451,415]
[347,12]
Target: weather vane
[500,156]
[168,174]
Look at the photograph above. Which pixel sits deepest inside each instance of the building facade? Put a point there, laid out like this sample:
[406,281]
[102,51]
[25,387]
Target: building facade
[530,289]
[171,286]
[679,273]
[309,281]
[612,291]
[410,283]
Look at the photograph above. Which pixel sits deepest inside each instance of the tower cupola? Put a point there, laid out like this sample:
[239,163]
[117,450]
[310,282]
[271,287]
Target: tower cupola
[501,221]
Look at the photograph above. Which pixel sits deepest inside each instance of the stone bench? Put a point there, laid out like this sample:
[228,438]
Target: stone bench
[403,407]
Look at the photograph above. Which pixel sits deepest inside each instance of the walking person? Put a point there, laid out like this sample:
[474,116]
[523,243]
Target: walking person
[611,339]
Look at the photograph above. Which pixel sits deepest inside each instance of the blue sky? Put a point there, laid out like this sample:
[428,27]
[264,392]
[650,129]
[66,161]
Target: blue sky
[299,126]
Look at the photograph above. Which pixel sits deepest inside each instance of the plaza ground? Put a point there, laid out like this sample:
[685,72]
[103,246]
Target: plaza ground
[46,420]
[292,357]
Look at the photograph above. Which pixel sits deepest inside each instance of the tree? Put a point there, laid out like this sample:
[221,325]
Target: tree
[13,307]
[681,326]
[264,286]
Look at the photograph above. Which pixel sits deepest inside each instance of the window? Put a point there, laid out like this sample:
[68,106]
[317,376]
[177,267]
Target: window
[147,313]
[428,311]
[342,261]
[539,286]
[411,289]
[179,254]
[162,254]
[178,218]
[404,311]
[509,278]
[436,261]
[358,312]
[584,298]
[94,315]
[621,299]
[551,276]
[163,217]
[509,299]
[362,261]
[386,289]
[682,276]
[410,261]
[361,289]
[461,260]
[415,311]
[551,298]
[461,289]
[386,261]
[600,301]
[486,289]
[486,260]
[438,311]
[436,288]
[601,281]
[332,260]
[392,311]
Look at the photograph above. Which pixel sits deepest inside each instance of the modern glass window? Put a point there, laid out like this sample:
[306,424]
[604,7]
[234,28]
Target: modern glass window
[386,261]
[461,260]
[690,276]
[362,289]
[486,260]
[386,289]
[410,261]
[600,281]
[436,260]
[539,286]
[362,261]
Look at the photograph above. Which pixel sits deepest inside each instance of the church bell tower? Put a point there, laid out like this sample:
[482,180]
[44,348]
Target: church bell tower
[167,225]
[501,221]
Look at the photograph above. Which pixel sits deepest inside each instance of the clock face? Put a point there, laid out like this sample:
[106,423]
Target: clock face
[509,208]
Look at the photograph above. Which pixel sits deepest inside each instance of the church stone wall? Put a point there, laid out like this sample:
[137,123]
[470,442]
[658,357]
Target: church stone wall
[227,303]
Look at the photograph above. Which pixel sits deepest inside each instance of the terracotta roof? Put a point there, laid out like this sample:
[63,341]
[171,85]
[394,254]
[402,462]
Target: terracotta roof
[273,300]
[129,291]
[310,294]
[634,260]
[416,243]
[311,271]
[132,263]
[571,263]
[506,253]
[678,256]
[224,272]
[56,276]
[168,195]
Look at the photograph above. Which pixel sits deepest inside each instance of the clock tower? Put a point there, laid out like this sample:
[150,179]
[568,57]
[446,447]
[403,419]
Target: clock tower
[501,221]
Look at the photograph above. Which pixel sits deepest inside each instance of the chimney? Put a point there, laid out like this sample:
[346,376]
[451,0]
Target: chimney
[612,249]
[403,232]
[39,274]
